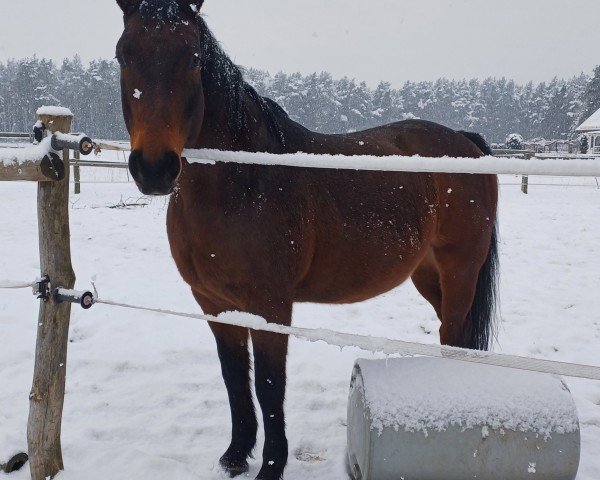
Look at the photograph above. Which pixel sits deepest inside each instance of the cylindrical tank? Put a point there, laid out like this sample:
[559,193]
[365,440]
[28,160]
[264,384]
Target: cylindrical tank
[442,419]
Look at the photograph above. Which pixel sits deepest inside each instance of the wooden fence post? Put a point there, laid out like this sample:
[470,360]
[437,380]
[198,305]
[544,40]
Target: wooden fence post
[525,178]
[77,172]
[525,184]
[47,392]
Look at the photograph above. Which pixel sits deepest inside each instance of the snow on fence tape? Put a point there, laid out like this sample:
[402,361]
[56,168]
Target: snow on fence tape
[7,284]
[383,345]
[483,165]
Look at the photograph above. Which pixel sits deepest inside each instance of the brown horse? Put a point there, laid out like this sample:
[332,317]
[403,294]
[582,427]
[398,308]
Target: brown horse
[257,239]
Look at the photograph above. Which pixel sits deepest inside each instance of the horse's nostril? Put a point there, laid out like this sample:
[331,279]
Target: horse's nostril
[134,162]
[155,176]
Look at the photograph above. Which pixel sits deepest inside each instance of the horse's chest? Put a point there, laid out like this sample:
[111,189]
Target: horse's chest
[224,253]
[202,249]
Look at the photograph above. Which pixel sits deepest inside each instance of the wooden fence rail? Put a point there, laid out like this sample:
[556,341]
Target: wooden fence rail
[16,135]
[43,169]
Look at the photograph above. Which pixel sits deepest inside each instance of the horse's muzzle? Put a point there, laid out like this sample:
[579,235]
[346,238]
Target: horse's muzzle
[155,176]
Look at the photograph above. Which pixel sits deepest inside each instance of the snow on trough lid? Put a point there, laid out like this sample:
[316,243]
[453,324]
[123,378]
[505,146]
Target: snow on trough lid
[421,394]
[54,111]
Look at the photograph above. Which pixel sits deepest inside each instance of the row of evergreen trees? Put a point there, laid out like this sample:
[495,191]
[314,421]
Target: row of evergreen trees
[493,107]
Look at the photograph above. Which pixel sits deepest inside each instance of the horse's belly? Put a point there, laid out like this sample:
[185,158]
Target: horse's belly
[362,272]
[352,290]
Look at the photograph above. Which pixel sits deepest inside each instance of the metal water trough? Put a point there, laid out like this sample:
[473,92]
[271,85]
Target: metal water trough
[437,419]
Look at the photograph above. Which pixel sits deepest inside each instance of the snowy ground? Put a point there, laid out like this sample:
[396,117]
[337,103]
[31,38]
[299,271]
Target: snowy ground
[144,392]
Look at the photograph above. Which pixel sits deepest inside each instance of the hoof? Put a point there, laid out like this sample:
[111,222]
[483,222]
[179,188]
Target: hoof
[15,463]
[233,467]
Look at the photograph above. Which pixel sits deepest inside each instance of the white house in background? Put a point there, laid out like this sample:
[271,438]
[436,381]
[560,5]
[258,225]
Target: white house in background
[591,128]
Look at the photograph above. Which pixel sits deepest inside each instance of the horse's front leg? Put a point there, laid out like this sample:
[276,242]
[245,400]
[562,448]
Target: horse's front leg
[232,347]
[270,353]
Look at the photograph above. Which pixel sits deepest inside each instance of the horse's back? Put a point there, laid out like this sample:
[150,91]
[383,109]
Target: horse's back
[420,137]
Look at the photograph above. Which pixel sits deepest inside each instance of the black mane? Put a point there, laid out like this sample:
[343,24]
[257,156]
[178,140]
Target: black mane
[221,76]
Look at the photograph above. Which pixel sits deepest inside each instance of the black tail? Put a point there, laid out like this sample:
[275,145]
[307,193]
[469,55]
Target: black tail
[478,140]
[483,310]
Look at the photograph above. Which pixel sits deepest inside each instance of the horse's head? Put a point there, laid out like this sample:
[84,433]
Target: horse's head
[161,88]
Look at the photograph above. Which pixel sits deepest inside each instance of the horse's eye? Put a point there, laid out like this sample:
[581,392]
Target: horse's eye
[195,61]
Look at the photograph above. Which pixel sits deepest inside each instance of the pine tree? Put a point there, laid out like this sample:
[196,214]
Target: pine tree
[383,105]
[576,88]
[493,107]
[557,123]
[591,97]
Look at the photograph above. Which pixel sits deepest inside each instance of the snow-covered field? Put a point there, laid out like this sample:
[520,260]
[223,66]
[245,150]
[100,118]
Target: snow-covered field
[145,397]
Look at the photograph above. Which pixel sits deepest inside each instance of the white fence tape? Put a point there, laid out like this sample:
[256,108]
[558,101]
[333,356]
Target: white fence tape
[589,167]
[7,284]
[482,165]
[368,343]
[385,345]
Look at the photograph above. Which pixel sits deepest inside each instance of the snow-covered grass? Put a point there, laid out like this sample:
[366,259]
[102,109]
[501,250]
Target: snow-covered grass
[145,397]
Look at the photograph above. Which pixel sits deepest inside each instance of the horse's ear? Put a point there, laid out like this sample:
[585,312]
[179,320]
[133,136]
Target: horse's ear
[195,5]
[128,6]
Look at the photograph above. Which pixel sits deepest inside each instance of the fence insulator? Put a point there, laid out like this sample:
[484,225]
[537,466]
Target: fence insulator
[81,143]
[53,167]
[84,299]
[41,288]
[38,131]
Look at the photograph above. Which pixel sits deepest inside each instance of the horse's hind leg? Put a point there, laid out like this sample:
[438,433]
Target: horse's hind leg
[426,279]
[232,347]
[459,271]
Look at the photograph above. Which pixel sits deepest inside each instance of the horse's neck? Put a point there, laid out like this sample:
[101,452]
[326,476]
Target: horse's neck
[218,131]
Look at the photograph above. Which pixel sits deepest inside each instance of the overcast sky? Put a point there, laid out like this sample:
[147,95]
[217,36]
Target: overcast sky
[372,40]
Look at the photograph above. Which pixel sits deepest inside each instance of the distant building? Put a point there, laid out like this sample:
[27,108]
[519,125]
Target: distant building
[541,145]
[591,128]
